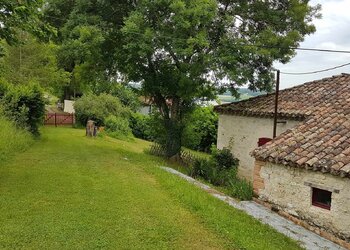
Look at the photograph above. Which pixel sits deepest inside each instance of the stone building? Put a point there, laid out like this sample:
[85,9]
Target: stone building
[304,172]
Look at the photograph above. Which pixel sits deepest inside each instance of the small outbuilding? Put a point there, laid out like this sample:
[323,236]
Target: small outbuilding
[304,172]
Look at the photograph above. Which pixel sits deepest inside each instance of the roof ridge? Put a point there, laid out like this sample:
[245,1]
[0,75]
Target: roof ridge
[314,81]
[283,90]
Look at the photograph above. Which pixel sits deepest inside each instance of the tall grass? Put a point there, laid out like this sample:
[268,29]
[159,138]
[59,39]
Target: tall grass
[12,139]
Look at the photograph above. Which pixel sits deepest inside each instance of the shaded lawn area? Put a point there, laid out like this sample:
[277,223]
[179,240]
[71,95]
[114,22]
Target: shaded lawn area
[70,192]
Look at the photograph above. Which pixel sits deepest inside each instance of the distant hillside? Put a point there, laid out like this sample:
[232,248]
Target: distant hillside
[245,93]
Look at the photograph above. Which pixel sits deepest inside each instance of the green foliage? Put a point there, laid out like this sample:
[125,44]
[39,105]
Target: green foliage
[224,159]
[32,61]
[12,139]
[25,105]
[202,168]
[156,129]
[98,108]
[126,95]
[200,130]
[221,164]
[117,126]
[221,170]
[4,86]
[141,126]
[80,56]
[18,16]
[241,189]
[183,50]
[89,32]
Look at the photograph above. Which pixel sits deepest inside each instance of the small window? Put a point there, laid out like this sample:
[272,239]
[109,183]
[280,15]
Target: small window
[321,198]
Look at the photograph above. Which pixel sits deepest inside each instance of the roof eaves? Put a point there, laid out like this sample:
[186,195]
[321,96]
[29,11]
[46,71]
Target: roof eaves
[262,114]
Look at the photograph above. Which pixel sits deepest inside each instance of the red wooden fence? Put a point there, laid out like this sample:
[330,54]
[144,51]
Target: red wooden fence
[59,119]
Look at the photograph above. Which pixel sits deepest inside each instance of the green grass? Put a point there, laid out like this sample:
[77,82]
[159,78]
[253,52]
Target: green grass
[12,139]
[72,192]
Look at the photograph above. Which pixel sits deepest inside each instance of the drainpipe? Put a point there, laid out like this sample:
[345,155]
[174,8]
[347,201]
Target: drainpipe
[276,103]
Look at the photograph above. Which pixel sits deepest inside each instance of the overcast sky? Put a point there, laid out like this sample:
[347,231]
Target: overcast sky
[333,32]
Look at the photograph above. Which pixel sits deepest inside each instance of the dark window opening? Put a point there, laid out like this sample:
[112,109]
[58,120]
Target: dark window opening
[263,141]
[321,198]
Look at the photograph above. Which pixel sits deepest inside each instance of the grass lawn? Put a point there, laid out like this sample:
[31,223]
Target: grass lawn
[69,192]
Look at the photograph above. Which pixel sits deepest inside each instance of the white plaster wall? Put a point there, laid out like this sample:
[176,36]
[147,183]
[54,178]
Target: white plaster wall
[145,110]
[241,134]
[285,187]
[69,106]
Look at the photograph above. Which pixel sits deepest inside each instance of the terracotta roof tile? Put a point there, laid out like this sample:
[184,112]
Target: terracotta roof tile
[321,142]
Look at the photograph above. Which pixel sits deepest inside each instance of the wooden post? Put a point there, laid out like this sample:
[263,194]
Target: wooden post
[55,120]
[276,104]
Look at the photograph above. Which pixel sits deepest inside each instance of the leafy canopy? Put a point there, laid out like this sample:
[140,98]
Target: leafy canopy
[89,35]
[182,50]
[32,61]
[16,16]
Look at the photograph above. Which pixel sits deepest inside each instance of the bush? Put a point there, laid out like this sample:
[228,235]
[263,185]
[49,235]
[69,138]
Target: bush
[98,108]
[221,170]
[117,125]
[140,126]
[200,130]
[12,139]
[241,189]
[25,105]
[3,88]
[155,128]
[224,159]
[203,168]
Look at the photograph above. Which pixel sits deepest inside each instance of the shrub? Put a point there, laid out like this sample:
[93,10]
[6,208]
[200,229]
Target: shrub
[98,108]
[4,86]
[221,170]
[223,177]
[200,130]
[156,129]
[140,126]
[12,139]
[241,189]
[25,105]
[117,125]
[203,168]
[224,159]
[210,171]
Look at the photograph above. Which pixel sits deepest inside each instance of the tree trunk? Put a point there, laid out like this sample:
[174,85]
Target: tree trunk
[172,124]
[173,137]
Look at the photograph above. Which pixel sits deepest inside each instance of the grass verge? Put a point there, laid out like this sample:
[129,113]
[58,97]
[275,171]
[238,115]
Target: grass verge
[12,139]
[69,191]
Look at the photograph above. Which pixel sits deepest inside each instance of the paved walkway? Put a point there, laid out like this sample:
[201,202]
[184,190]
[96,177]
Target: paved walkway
[306,238]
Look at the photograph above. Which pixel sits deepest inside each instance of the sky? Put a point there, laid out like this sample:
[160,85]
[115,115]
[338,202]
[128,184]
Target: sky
[332,32]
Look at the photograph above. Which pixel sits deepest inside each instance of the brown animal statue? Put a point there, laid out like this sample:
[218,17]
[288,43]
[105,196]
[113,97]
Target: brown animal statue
[90,127]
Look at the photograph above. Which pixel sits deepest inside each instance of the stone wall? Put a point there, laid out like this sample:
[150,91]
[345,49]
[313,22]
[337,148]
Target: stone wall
[290,190]
[241,134]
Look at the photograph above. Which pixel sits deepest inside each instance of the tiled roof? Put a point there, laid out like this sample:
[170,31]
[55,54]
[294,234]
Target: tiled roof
[322,141]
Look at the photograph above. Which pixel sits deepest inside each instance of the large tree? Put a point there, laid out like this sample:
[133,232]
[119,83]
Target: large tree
[89,37]
[182,50]
[17,16]
[32,61]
